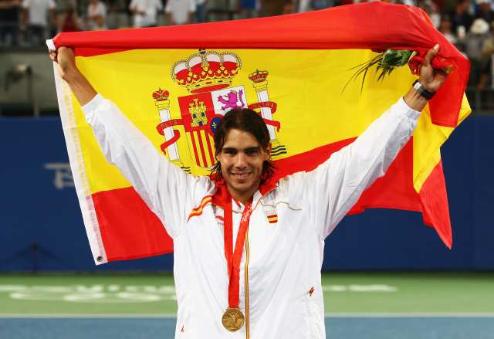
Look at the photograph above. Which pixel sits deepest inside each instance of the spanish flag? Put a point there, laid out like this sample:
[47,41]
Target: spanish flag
[304,74]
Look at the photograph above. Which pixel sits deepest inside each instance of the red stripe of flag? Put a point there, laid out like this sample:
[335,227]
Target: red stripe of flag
[210,148]
[201,145]
[196,156]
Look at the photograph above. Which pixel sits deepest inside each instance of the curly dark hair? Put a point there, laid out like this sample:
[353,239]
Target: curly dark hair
[246,120]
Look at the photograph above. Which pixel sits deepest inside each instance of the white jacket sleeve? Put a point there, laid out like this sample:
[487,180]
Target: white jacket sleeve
[166,189]
[335,186]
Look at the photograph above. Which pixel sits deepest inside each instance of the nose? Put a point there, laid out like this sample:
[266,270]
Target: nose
[240,160]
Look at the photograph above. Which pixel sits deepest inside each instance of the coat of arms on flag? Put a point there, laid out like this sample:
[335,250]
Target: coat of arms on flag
[207,76]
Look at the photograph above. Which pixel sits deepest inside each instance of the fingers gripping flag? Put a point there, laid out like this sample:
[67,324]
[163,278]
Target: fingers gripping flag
[298,71]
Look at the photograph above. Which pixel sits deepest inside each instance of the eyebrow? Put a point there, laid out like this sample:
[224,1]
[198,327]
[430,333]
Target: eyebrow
[253,148]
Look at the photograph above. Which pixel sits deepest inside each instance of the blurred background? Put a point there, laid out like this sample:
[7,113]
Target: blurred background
[382,264]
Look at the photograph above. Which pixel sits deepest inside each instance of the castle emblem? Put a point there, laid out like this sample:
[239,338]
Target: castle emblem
[207,76]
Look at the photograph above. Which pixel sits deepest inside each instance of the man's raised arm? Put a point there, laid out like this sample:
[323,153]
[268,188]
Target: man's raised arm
[339,182]
[167,190]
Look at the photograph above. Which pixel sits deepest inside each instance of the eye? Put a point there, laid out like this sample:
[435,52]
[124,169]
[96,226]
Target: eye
[229,151]
[252,151]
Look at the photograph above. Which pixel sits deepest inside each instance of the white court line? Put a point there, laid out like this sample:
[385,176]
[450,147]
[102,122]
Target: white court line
[327,315]
[411,315]
[86,316]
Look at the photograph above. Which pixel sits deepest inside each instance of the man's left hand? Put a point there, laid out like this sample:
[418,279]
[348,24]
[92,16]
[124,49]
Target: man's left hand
[432,79]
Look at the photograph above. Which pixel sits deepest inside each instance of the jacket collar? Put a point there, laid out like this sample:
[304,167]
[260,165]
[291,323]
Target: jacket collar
[222,195]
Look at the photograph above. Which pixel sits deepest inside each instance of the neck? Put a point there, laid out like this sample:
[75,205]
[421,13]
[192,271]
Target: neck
[242,197]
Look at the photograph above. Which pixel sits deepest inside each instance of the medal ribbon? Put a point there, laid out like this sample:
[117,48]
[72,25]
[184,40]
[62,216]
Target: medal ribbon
[233,257]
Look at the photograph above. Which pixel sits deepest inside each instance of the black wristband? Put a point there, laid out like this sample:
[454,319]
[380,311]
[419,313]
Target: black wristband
[422,91]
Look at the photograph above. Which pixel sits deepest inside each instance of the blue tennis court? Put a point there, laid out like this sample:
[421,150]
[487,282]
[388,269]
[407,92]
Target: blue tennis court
[344,327]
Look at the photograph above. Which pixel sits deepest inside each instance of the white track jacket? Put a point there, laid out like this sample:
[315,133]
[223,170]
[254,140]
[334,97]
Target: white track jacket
[284,248]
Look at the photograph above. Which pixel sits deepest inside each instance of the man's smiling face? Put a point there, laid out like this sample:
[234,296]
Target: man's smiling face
[242,158]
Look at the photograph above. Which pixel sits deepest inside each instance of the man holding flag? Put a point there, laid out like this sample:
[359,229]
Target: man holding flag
[248,244]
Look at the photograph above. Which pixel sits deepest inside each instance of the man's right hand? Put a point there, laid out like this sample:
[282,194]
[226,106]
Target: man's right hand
[80,86]
[64,57]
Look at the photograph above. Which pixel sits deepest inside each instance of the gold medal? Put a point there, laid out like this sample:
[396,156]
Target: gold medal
[233,319]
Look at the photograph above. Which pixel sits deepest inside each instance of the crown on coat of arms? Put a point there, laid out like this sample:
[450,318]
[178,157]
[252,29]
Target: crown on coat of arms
[161,95]
[206,71]
[258,76]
